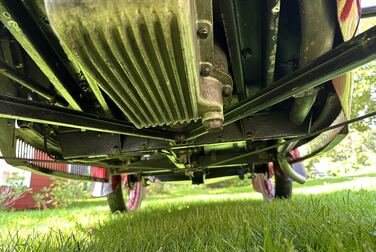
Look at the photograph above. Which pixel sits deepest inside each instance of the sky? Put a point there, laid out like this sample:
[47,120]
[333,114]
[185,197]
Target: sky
[367,3]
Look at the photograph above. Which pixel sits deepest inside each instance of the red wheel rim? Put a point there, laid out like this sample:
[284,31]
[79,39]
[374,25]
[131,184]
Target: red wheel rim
[134,196]
[261,183]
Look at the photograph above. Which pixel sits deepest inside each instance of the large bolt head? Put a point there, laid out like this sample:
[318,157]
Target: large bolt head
[213,125]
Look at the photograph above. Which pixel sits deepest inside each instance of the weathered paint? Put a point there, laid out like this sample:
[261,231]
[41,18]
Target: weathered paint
[37,183]
[348,13]
[143,54]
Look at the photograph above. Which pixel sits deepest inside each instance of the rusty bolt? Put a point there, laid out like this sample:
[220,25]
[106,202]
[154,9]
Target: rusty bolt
[203,33]
[227,91]
[213,125]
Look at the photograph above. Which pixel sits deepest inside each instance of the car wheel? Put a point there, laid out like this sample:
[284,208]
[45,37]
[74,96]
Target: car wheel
[262,180]
[135,194]
[115,199]
[264,185]
[283,184]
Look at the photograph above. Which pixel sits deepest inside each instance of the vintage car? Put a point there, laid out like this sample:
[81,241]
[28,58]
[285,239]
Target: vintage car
[174,90]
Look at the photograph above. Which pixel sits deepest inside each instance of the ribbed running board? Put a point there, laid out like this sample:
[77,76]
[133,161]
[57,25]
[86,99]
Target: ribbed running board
[41,161]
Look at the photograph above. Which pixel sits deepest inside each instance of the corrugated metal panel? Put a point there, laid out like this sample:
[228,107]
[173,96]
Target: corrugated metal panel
[141,53]
[25,150]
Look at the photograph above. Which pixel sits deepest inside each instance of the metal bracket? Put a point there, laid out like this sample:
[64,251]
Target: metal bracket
[346,57]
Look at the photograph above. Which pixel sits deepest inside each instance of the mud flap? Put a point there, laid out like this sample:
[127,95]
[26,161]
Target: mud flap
[100,189]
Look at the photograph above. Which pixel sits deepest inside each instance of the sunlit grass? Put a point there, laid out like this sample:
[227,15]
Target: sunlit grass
[336,214]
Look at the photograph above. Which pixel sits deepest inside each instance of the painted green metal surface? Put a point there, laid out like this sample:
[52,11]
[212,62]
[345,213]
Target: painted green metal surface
[143,54]
[8,18]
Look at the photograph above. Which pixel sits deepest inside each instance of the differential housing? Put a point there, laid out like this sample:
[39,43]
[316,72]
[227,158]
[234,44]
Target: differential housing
[144,55]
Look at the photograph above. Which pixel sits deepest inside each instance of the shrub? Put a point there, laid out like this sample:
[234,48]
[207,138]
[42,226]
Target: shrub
[12,191]
[158,188]
[61,193]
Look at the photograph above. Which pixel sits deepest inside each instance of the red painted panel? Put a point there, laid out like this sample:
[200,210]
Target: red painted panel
[37,183]
[98,172]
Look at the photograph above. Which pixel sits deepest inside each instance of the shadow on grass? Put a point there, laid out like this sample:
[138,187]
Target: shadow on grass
[335,221]
[330,221]
[202,193]
[93,202]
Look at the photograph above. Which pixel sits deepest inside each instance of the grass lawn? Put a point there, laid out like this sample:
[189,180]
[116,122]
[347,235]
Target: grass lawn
[335,214]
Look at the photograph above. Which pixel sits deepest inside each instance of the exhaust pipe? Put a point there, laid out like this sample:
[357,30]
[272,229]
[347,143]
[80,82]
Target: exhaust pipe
[288,170]
[283,152]
[318,29]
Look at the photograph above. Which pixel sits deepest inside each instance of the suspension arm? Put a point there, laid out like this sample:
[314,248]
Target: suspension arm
[21,109]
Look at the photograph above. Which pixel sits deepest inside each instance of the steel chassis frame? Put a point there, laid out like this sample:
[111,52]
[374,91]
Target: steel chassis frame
[346,57]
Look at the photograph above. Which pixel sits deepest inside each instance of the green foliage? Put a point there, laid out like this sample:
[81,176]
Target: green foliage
[158,188]
[358,150]
[40,200]
[364,96]
[59,194]
[355,153]
[13,191]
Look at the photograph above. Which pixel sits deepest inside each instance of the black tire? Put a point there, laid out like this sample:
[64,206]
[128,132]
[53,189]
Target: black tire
[115,199]
[283,184]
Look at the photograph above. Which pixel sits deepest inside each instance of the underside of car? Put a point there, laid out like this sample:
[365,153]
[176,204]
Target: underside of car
[175,89]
